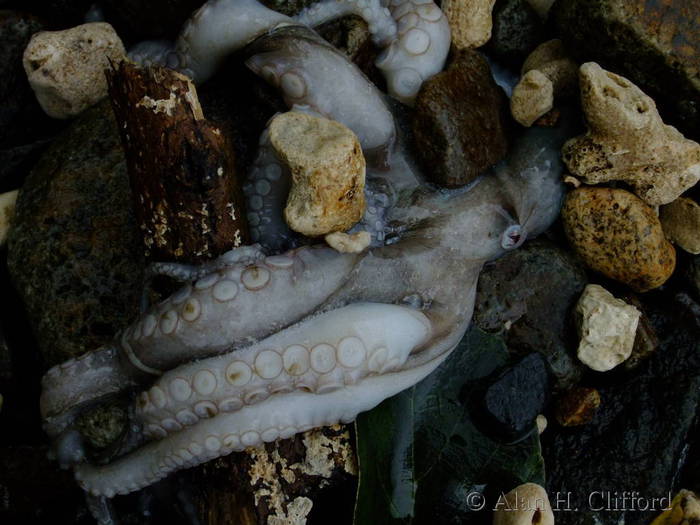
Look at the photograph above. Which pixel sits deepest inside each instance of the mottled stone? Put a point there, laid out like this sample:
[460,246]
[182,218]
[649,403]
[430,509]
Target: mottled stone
[681,223]
[460,122]
[655,43]
[517,397]
[328,173]
[627,141]
[618,235]
[526,504]
[74,252]
[577,406]
[66,68]
[470,21]
[530,294]
[517,30]
[607,327]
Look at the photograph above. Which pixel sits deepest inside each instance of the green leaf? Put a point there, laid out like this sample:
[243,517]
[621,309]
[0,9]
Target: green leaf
[421,454]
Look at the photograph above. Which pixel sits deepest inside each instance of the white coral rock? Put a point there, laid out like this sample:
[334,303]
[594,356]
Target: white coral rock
[66,68]
[607,328]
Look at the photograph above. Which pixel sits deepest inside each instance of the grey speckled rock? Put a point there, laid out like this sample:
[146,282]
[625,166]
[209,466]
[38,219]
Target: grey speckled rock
[530,294]
[74,253]
[517,30]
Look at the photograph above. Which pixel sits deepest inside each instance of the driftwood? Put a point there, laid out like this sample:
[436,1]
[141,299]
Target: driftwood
[187,198]
[189,207]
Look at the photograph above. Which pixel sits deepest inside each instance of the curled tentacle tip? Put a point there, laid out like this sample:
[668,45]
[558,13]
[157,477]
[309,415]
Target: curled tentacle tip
[513,237]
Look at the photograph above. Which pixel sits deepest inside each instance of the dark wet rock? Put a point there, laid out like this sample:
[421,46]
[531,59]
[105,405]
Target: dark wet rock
[74,253]
[17,161]
[517,30]
[577,406]
[518,396]
[639,438]
[159,19]
[461,120]
[530,294]
[653,43]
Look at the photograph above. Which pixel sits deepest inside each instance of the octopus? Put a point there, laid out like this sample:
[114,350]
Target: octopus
[278,337]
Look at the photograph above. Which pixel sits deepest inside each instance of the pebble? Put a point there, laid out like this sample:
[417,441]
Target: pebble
[66,68]
[7,211]
[460,122]
[607,328]
[618,235]
[517,30]
[328,172]
[577,406]
[681,223]
[526,504]
[627,141]
[470,21]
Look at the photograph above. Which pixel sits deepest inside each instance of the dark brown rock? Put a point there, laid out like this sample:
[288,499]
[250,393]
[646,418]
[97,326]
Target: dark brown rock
[654,43]
[460,122]
[577,406]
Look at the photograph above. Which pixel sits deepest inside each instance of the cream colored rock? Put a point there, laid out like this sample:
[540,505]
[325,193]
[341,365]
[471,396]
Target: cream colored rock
[627,141]
[328,173]
[7,211]
[66,68]
[547,73]
[349,243]
[607,327]
[526,504]
[681,223]
[470,21]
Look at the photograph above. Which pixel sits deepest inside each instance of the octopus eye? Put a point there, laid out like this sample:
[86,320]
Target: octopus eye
[513,237]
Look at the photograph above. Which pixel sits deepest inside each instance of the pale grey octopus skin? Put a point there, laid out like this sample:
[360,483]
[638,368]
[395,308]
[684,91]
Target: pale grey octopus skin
[414,34]
[250,304]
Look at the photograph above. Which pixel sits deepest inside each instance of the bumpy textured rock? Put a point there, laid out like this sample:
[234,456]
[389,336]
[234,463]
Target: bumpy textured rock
[681,223]
[517,29]
[328,172]
[74,251]
[685,510]
[526,504]
[607,327]
[529,294]
[460,122]
[627,141]
[66,68]
[517,397]
[547,73]
[470,21]
[577,406]
[7,211]
[618,235]
[655,43]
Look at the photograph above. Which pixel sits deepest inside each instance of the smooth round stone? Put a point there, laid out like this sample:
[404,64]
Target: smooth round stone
[180,389]
[378,359]
[279,261]
[149,325]
[191,310]
[171,425]
[231,441]
[181,295]
[186,417]
[238,373]
[212,443]
[323,358]
[416,41]
[206,409]
[351,352]
[230,405]
[157,396]
[268,364]
[296,360]
[196,449]
[206,282]
[256,396]
[156,431]
[255,277]
[225,291]
[250,438]
[204,382]
[168,322]
[270,435]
